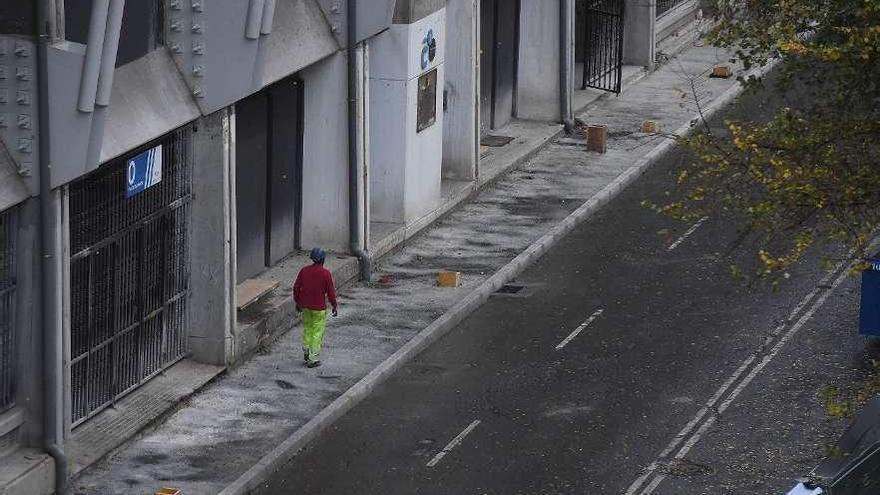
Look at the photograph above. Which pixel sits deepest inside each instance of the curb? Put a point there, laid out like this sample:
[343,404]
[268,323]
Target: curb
[261,471]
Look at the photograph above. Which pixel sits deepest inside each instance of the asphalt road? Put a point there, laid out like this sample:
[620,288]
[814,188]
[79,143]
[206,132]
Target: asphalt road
[620,336]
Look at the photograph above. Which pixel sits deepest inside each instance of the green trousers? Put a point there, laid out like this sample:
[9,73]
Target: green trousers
[314,324]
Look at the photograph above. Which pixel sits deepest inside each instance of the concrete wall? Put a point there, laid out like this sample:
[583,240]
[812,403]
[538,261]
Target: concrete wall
[638,33]
[675,19]
[18,104]
[373,17]
[405,165]
[29,397]
[460,119]
[211,277]
[222,61]
[410,11]
[387,124]
[424,156]
[325,154]
[539,58]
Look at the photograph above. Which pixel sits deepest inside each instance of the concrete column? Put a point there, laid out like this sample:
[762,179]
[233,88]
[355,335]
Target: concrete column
[28,324]
[638,33]
[461,127]
[211,250]
[325,154]
[538,84]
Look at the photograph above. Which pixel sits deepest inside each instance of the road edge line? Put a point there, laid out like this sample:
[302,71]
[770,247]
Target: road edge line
[261,471]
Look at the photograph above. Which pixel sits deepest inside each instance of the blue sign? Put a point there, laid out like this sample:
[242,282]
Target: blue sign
[429,49]
[144,171]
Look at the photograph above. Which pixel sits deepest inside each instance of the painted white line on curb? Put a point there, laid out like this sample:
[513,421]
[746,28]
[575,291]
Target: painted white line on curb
[687,234]
[580,328]
[689,444]
[452,444]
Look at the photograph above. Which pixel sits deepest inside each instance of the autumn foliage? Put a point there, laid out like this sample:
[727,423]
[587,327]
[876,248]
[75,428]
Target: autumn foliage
[812,172]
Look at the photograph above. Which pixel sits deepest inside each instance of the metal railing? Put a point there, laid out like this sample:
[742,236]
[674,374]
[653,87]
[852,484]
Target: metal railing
[7,309]
[129,278]
[603,41]
[664,6]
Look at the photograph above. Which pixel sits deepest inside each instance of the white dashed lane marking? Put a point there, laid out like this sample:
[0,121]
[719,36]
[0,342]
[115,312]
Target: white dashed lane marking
[451,445]
[580,329]
[687,234]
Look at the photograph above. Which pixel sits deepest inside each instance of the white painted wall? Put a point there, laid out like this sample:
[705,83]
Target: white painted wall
[539,58]
[388,120]
[424,156]
[325,154]
[639,25]
[460,120]
[405,165]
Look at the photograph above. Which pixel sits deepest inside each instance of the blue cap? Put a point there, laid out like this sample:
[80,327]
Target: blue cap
[317,255]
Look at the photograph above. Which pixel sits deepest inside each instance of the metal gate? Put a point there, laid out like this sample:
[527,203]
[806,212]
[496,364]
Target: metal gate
[603,39]
[7,309]
[128,277]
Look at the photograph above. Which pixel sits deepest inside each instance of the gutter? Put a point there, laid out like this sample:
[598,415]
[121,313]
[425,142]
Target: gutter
[53,369]
[565,63]
[355,208]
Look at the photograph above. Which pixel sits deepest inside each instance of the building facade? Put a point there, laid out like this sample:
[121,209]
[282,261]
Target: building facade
[156,156]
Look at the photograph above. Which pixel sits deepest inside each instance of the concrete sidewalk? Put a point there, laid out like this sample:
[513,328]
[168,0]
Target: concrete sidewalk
[222,437]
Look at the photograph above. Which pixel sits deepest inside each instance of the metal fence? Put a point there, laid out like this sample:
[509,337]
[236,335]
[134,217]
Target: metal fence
[664,6]
[7,309]
[128,277]
[603,39]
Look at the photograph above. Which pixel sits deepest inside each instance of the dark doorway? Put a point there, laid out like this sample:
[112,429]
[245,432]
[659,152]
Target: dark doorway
[269,130]
[499,42]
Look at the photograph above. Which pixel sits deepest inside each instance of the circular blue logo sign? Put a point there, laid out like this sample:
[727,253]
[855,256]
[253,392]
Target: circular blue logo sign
[429,49]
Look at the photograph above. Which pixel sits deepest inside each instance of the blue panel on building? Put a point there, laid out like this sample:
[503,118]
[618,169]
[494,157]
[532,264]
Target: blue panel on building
[869,308]
[144,171]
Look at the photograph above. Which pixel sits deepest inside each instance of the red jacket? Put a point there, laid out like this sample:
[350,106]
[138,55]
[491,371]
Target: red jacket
[313,286]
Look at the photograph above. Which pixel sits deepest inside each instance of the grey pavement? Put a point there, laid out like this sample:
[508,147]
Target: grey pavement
[591,416]
[227,427]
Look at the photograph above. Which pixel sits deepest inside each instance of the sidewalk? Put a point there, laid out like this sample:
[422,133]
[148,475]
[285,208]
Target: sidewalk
[228,428]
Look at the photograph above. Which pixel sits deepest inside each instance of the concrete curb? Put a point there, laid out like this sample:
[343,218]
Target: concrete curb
[261,471]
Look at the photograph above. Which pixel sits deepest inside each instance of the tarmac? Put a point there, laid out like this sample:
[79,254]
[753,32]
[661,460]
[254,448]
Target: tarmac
[231,434]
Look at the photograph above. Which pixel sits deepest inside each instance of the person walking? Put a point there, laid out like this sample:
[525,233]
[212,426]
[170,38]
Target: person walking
[312,289]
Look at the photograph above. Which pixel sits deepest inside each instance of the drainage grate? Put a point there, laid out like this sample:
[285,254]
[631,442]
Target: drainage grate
[510,289]
[495,141]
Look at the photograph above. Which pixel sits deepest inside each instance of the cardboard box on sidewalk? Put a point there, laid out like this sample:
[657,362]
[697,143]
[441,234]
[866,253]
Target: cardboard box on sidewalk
[650,127]
[722,71]
[448,279]
[597,138]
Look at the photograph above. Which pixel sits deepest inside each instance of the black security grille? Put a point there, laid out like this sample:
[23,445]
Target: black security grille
[664,6]
[128,278]
[7,309]
[603,41]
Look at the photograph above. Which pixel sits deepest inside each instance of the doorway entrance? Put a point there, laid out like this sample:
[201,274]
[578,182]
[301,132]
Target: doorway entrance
[499,42]
[268,174]
[599,44]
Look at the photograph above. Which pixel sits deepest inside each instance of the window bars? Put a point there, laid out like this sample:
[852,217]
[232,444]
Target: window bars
[7,309]
[129,278]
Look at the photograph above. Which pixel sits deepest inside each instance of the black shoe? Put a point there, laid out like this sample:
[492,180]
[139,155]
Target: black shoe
[306,355]
[313,364]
